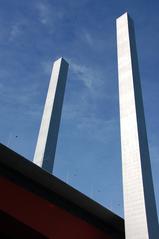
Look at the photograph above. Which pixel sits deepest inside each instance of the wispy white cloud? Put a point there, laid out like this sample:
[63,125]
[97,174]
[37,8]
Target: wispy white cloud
[90,77]
[48,14]
[84,73]
[44,12]
[88,38]
[17,29]
[96,42]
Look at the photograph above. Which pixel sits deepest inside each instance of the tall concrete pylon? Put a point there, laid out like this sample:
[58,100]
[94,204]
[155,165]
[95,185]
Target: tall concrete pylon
[140,211]
[48,133]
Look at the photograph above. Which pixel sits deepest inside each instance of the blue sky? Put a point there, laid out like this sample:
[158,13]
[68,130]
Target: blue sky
[35,33]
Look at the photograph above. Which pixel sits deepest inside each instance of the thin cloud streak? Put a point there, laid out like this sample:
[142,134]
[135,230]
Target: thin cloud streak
[49,15]
[91,78]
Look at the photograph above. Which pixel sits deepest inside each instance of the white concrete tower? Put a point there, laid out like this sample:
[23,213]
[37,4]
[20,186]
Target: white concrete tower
[141,220]
[48,134]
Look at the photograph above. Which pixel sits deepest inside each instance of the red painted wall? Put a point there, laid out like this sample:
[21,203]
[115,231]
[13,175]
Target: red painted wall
[45,217]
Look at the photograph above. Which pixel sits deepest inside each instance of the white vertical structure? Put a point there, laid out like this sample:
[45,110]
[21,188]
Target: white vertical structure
[48,134]
[141,220]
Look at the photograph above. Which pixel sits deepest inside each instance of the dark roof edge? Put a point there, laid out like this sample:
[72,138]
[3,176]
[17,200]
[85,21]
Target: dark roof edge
[27,168]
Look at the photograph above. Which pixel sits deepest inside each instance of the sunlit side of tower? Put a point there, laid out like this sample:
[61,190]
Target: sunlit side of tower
[141,220]
[48,133]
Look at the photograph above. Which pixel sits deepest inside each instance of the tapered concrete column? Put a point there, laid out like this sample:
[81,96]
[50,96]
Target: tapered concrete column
[48,134]
[141,220]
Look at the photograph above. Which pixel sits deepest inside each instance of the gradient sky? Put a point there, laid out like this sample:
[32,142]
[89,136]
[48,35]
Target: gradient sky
[35,33]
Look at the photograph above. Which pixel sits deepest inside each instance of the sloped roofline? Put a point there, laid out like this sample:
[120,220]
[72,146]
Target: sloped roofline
[19,165]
